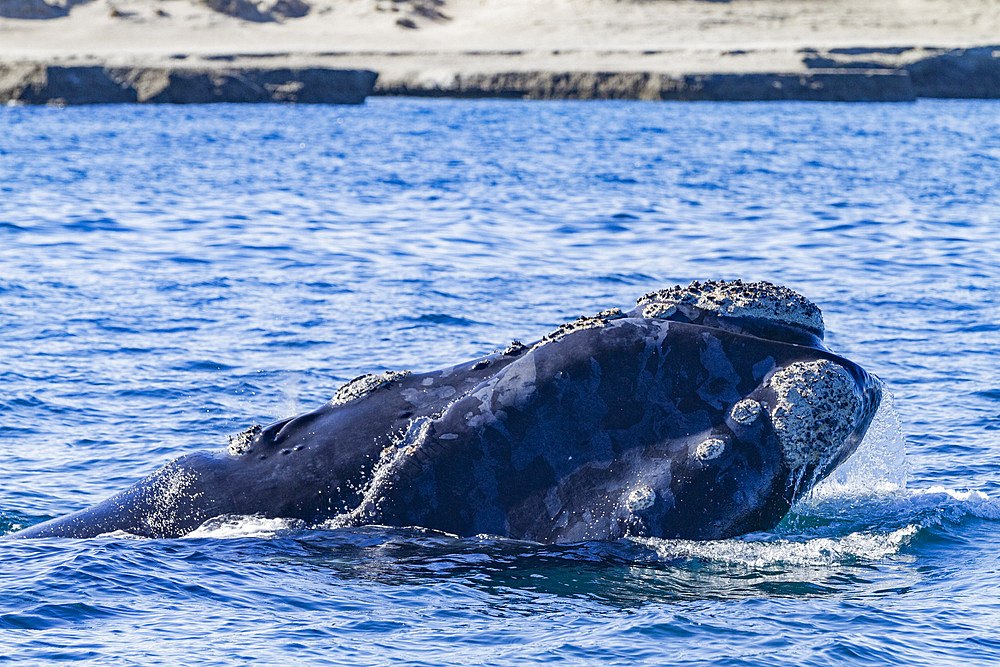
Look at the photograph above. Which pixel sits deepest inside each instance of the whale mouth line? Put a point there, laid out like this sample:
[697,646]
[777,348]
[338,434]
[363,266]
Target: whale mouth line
[761,329]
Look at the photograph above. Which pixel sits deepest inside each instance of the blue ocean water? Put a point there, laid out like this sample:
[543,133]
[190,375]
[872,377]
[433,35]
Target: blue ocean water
[170,275]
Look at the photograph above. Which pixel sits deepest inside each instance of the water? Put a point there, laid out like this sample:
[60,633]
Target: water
[170,275]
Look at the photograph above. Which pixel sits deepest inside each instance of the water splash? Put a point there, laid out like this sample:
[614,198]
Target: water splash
[869,491]
[231,526]
[756,554]
[878,466]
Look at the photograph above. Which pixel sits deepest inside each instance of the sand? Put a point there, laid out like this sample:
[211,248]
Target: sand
[430,42]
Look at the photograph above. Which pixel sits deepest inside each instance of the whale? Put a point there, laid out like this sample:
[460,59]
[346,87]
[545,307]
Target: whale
[702,413]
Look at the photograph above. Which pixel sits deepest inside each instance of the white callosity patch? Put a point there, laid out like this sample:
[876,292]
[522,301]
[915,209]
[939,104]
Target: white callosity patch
[659,310]
[761,300]
[365,384]
[611,314]
[579,324]
[515,347]
[710,448]
[239,444]
[816,408]
[640,499]
[745,412]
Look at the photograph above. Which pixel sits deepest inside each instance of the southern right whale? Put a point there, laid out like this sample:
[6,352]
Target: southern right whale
[702,413]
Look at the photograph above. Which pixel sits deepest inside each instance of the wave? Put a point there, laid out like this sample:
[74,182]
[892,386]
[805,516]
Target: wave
[753,554]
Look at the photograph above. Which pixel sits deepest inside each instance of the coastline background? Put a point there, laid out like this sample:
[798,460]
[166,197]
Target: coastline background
[636,49]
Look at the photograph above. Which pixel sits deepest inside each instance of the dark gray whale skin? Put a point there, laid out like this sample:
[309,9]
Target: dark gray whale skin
[624,424]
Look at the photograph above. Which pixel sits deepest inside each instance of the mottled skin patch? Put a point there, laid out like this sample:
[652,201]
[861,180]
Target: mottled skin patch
[660,310]
[745,412]
[365,384]
[640,499]
[761,309]
[710,448]
[544,442]
[563,330]
[816,407]
[611,314]
[734,298]
[241,443]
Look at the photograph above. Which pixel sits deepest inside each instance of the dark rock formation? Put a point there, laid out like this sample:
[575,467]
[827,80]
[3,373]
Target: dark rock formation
[34,9]
[951,73]
[961,73]
[38,84]
[836,85]
[32,83]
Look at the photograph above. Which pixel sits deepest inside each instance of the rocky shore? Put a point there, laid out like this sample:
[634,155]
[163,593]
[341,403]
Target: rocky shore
[836,77]
[35,83]
[964,74]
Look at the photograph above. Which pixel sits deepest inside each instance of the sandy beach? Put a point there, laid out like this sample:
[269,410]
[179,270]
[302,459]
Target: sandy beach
[447,46]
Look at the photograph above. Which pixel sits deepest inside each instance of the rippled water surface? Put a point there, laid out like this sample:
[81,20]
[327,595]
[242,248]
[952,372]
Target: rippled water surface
[169,275]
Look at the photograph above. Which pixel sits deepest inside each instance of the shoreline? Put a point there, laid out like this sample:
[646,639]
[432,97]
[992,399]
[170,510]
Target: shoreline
[342,51]
[848,75]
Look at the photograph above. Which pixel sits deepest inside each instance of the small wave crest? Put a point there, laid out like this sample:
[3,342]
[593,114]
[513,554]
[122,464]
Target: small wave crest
[819,551]
[956,505]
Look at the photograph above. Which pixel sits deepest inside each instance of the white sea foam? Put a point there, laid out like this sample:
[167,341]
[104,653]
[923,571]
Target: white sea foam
[235,526]
[975,503]
[819,551]
[120,535]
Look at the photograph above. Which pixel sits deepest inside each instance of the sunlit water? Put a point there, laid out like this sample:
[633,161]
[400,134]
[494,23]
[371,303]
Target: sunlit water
[170,275]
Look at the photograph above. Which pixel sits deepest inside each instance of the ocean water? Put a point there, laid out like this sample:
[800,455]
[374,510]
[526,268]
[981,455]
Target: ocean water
[170,275]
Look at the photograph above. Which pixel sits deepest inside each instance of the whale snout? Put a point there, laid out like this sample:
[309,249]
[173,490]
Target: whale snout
[820,412]
[761,309]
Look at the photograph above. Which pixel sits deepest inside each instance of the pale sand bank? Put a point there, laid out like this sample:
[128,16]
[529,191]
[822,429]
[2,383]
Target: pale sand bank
[653,49]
